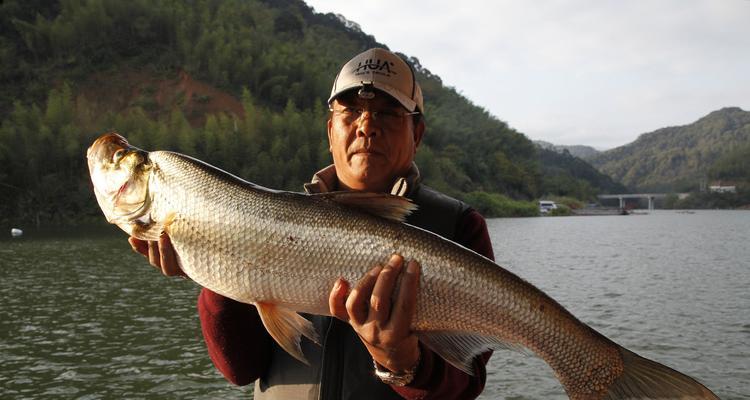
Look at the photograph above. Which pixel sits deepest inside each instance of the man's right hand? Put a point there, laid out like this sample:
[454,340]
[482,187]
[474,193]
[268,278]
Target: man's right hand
[160,254]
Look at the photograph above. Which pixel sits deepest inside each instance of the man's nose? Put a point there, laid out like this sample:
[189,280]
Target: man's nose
[366,125]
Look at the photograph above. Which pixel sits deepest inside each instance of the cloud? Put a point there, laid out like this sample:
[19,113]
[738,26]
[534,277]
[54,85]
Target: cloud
[575,72]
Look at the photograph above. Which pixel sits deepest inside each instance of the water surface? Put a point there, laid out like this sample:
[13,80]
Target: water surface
[670,286]
[82,317]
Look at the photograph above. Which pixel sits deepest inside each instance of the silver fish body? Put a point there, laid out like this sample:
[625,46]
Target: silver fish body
[283,251]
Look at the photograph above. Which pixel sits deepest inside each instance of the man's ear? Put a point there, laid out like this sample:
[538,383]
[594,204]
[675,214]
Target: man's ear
[418,132]
[329,124]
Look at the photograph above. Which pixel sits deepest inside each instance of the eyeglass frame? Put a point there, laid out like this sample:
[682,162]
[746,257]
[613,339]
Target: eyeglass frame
[373,114]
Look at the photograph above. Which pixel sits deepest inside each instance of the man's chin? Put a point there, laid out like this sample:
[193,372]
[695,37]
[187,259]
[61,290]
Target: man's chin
[367,161]
[367,170]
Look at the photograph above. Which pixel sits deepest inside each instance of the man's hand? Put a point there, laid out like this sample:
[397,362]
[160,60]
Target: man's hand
[384,328]
[160,254]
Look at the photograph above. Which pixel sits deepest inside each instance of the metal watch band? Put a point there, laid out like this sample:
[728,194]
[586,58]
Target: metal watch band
[397,378]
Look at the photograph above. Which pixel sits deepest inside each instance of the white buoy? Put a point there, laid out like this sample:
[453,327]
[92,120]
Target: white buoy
[15,232]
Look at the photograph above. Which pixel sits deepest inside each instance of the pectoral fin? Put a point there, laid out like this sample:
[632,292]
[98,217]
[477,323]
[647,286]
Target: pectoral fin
[149,229]
[287,328]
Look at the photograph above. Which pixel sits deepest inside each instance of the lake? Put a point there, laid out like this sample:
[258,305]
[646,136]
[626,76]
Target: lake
[83,317]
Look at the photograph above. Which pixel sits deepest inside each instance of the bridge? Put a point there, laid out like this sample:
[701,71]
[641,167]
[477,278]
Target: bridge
[650,196]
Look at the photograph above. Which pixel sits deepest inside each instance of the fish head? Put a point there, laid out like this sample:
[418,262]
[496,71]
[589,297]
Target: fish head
[120,175]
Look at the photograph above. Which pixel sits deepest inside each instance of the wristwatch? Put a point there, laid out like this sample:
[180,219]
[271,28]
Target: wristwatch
[397,378]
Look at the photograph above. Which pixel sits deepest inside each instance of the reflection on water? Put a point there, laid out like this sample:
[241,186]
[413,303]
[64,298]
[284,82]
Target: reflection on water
[82,317]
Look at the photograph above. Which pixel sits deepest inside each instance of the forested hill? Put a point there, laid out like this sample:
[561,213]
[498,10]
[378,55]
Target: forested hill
[581,151]
[569,175]
[241,84]
[680,158]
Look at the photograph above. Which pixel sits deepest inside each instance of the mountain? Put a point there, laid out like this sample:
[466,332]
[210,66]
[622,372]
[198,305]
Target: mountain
[678,158]
[580,151]
[564,174]
[241,84]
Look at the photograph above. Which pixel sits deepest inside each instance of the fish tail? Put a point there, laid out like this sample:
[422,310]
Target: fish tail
[646,379]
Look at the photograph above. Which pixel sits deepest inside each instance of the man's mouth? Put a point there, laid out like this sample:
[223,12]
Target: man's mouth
[366,151]
[366,154]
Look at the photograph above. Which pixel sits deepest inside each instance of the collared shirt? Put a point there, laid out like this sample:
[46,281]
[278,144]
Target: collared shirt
[326,180]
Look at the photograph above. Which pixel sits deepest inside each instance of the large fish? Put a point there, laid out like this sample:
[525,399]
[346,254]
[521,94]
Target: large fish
[283,251]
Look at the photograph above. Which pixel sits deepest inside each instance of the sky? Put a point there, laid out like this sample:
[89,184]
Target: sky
[597,73]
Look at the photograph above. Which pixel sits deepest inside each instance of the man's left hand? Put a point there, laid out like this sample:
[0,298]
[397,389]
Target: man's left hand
[381,313]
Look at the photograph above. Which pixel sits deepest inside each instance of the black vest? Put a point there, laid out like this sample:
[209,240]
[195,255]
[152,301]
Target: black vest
[342,368]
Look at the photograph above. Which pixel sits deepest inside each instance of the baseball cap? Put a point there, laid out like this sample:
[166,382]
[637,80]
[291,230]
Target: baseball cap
[380,69]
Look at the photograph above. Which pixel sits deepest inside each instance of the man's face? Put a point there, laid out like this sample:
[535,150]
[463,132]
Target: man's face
[370,153]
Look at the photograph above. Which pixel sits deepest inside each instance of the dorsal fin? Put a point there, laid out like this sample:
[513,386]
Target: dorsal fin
[395,208]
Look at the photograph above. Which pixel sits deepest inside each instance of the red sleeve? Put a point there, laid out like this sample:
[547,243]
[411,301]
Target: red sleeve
[435,378]
[237,341]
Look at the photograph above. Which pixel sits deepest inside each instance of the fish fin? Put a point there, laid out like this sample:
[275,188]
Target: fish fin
[461,348]
[287,328]
[389,206]
[148,229]
[646,379]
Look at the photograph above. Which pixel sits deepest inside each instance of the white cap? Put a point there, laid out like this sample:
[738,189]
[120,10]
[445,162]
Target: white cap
[383,70]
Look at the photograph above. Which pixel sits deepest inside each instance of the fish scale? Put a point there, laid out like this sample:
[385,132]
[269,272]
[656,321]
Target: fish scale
[283,251]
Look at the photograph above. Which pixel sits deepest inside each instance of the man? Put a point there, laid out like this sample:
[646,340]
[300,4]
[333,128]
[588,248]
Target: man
[374,129]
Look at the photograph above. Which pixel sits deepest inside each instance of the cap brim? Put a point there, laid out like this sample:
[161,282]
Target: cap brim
[405,101]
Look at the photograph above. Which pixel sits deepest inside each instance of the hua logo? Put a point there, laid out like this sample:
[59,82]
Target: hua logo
[374,66]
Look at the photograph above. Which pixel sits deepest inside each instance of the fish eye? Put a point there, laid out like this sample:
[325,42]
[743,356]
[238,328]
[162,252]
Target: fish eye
[119,154]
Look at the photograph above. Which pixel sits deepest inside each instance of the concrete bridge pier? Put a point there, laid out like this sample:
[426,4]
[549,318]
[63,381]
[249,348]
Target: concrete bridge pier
[651,197]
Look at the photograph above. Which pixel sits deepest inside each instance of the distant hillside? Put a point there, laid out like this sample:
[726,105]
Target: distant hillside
[566,175]
[580,151]
[679,158]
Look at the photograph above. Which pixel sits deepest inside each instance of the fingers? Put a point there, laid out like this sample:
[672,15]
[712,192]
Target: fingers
[154,256]
[380,301]
[405,303]
[139,246]
[160,254]
[377,298]
[358,303]
[337,300]
[168,257]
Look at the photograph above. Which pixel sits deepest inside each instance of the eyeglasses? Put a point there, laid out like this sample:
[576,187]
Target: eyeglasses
[350,115]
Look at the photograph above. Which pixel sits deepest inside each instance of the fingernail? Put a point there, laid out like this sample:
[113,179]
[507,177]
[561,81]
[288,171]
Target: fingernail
[395,260]
[337,284]
[412,267]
